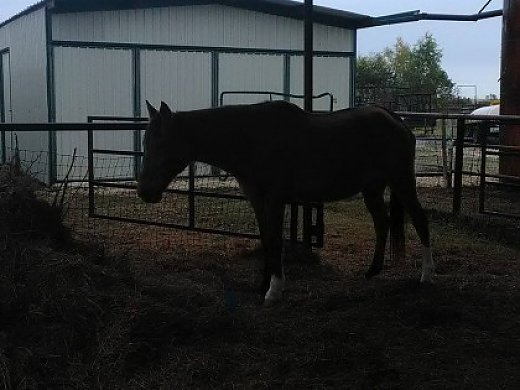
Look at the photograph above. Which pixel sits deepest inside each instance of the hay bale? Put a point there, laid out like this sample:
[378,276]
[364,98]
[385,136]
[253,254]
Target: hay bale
[33,275]
[22,213]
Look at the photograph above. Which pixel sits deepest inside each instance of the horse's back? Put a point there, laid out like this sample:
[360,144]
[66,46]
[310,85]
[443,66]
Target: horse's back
[326,156]
[365,131]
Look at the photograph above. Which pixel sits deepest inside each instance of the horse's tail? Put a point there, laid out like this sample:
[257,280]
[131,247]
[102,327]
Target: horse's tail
[397,245]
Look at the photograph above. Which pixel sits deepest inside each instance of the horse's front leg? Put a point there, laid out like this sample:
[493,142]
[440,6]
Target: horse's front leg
[375,202]
[271,237]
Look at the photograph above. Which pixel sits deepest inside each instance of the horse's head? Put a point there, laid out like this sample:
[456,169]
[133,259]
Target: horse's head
[166,153]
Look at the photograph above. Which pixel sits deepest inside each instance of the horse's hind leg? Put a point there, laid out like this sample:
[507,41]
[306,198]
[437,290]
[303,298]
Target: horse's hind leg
[374,200]
[269,215]
[407,194]
[257,201]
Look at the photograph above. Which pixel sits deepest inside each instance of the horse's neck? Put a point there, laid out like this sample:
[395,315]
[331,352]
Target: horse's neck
[211,133]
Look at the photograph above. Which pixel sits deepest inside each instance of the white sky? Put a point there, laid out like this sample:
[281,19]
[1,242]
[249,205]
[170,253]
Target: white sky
[471,49]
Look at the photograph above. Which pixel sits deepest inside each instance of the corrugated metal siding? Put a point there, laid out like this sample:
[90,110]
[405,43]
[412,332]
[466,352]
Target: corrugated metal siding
[331,74]
[6,139]
[93,82]
[182,79]
[327,38]
[25,38]
[6,87]
[203,25]
[250,72]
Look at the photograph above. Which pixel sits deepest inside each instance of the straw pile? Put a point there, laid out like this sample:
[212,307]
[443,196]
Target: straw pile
[45,309]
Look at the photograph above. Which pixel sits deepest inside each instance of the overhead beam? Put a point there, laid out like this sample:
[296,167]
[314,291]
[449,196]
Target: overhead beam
[415,16]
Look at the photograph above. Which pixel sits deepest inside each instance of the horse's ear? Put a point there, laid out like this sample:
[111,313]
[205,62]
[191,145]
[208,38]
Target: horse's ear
[152,112]
[165,110]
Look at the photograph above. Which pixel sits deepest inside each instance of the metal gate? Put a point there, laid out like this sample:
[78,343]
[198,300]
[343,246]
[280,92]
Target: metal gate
[496,184]
[304,222]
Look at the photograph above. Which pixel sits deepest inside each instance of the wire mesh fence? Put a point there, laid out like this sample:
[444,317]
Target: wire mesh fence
[220,206]
[225,214]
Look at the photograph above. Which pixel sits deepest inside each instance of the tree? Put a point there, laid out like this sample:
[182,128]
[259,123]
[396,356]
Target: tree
[425,71]
[417,68]
[374,70]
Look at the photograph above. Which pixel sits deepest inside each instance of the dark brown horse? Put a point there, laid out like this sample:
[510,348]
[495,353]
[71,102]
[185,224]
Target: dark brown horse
[279,153]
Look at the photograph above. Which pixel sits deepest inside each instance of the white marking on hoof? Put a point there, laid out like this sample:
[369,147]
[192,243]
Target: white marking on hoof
[275,292]
[428,267]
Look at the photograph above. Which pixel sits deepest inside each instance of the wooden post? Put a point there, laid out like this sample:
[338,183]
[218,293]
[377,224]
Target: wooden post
[510,83]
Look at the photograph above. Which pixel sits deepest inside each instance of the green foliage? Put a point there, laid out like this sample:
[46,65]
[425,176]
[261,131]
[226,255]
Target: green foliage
[417,68]
[373,70]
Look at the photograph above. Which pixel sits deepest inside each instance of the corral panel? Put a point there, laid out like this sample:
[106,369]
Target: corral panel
[250,72]
[92,82]
[331,74]
[202,25]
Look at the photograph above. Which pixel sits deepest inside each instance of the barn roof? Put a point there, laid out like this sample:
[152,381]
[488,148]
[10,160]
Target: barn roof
[287,8]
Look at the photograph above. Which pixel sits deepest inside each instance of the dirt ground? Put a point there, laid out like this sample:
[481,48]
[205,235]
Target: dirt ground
[189,316]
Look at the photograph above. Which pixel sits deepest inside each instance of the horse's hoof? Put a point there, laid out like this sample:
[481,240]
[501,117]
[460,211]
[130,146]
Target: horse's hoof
[275,292]
[427,275]
[426,279]
[272,298]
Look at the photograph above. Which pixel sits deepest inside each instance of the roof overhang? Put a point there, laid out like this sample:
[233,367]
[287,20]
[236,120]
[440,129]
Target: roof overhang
[286,8]
[26,11]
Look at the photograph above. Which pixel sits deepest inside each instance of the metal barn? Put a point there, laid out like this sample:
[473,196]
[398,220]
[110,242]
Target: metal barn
[66,60]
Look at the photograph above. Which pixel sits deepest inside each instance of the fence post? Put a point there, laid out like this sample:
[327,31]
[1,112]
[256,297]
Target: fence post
[307,225]
[320,226]
[3,146]
[90,142]
[294,223]
[137,148]
[191,194]
[459,161]
[444,141]
[483,135]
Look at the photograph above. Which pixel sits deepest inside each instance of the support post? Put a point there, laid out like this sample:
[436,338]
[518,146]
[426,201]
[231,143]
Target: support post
[510,84]
[308,56]
[308,93]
